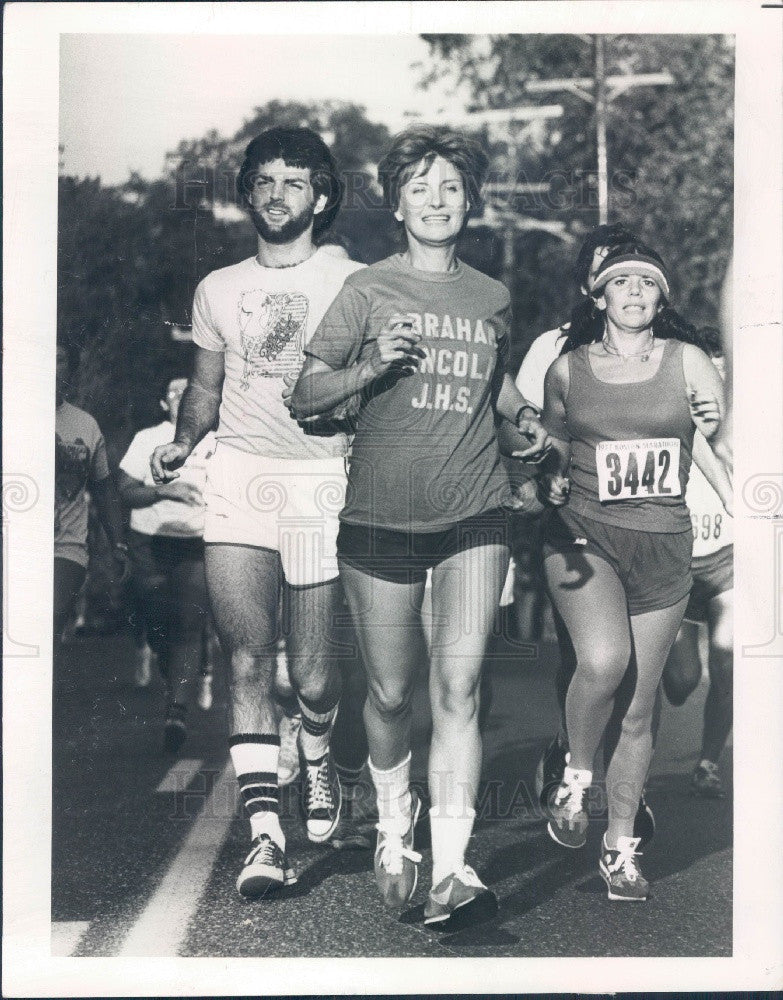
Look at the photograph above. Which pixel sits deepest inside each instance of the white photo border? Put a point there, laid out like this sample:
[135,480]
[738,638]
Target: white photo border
[31,50]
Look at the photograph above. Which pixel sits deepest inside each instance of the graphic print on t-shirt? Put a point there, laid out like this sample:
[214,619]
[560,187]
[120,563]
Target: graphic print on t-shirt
[271,330]
[72,467]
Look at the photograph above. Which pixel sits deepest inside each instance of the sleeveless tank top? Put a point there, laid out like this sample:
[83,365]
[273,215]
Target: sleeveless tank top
[639,482]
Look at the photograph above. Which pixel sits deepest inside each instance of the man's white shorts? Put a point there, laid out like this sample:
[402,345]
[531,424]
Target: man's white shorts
[289,507]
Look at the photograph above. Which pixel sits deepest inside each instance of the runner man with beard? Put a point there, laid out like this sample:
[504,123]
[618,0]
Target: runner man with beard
[273,490]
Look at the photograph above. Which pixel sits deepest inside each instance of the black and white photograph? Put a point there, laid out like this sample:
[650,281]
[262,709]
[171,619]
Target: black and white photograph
[413,380]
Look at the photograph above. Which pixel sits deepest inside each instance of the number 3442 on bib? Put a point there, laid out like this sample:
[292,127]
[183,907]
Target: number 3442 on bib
[638,469]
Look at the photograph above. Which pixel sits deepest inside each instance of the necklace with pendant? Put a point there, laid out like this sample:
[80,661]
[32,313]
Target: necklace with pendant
[642,355]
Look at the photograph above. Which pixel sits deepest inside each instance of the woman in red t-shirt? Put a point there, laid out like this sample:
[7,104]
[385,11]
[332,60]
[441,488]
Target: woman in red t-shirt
[422,338]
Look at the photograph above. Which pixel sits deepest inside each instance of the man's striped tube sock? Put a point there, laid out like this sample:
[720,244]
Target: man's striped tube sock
[255,756]
[316,730]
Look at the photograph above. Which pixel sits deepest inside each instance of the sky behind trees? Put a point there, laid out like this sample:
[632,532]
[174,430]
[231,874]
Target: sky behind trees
[131,254]
[126,100]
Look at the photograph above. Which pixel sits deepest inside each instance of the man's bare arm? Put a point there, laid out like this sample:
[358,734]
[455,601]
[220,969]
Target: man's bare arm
[198,411]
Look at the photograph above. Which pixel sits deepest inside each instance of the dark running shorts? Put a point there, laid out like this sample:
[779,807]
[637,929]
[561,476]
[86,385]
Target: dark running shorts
[654,567]
[405,556]
[712,575]
[158,555]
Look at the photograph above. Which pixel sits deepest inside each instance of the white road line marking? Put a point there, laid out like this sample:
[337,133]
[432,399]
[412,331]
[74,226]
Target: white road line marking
[180,775]
[66,934]
[162,925]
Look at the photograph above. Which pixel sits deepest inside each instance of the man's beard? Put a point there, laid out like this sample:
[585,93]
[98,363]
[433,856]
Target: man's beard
[288,232]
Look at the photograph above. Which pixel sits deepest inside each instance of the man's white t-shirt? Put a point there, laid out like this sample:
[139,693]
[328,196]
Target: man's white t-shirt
[712,526]
[168,517]
[261,318]
[542,352]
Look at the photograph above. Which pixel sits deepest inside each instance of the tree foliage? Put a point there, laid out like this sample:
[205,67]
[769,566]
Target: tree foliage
[670,151]
[130,257]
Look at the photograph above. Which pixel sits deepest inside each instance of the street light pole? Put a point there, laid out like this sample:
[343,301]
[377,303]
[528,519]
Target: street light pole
[600,90]
[600,131]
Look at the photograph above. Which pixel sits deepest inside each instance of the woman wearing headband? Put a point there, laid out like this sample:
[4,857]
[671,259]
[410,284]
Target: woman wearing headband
[621,406]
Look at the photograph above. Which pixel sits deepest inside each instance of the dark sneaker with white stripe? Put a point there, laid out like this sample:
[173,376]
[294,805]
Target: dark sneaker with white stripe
[621,872]
[265,868]
[321,798]
[458,901]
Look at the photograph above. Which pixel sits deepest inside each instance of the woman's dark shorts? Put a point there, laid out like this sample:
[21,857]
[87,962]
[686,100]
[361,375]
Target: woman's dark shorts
[654,567]
[405,556]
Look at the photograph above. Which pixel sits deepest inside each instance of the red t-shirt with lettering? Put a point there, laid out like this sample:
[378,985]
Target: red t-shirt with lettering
[425,453]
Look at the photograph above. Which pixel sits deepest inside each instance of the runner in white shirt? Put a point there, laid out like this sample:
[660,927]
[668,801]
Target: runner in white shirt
[273,491]
[712,604]
[167,555]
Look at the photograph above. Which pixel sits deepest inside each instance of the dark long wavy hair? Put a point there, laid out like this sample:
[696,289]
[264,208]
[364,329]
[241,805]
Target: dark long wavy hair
[588,322]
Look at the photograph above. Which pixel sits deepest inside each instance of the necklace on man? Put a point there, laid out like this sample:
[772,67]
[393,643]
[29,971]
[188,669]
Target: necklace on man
[642,355]
[282,267]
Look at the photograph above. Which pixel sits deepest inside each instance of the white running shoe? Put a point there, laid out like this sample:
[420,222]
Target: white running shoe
[568,819]
[461,893]
[396,863]
[620,870]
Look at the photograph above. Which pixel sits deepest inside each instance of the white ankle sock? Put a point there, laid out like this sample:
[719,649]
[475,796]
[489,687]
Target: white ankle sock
[450,836]
[393,790]
[577,776]
[268,823]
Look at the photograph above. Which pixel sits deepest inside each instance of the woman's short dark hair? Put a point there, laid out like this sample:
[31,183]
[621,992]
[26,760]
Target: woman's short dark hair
[296,147]
[423,143]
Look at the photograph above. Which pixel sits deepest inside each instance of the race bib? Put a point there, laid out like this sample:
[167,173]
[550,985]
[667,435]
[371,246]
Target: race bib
[636,470]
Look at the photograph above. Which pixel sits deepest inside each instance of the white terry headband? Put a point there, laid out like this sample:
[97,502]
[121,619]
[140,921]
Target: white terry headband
[631,265]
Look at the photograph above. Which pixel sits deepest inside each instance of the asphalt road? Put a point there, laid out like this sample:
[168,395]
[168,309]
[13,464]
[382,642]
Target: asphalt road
[146,852]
